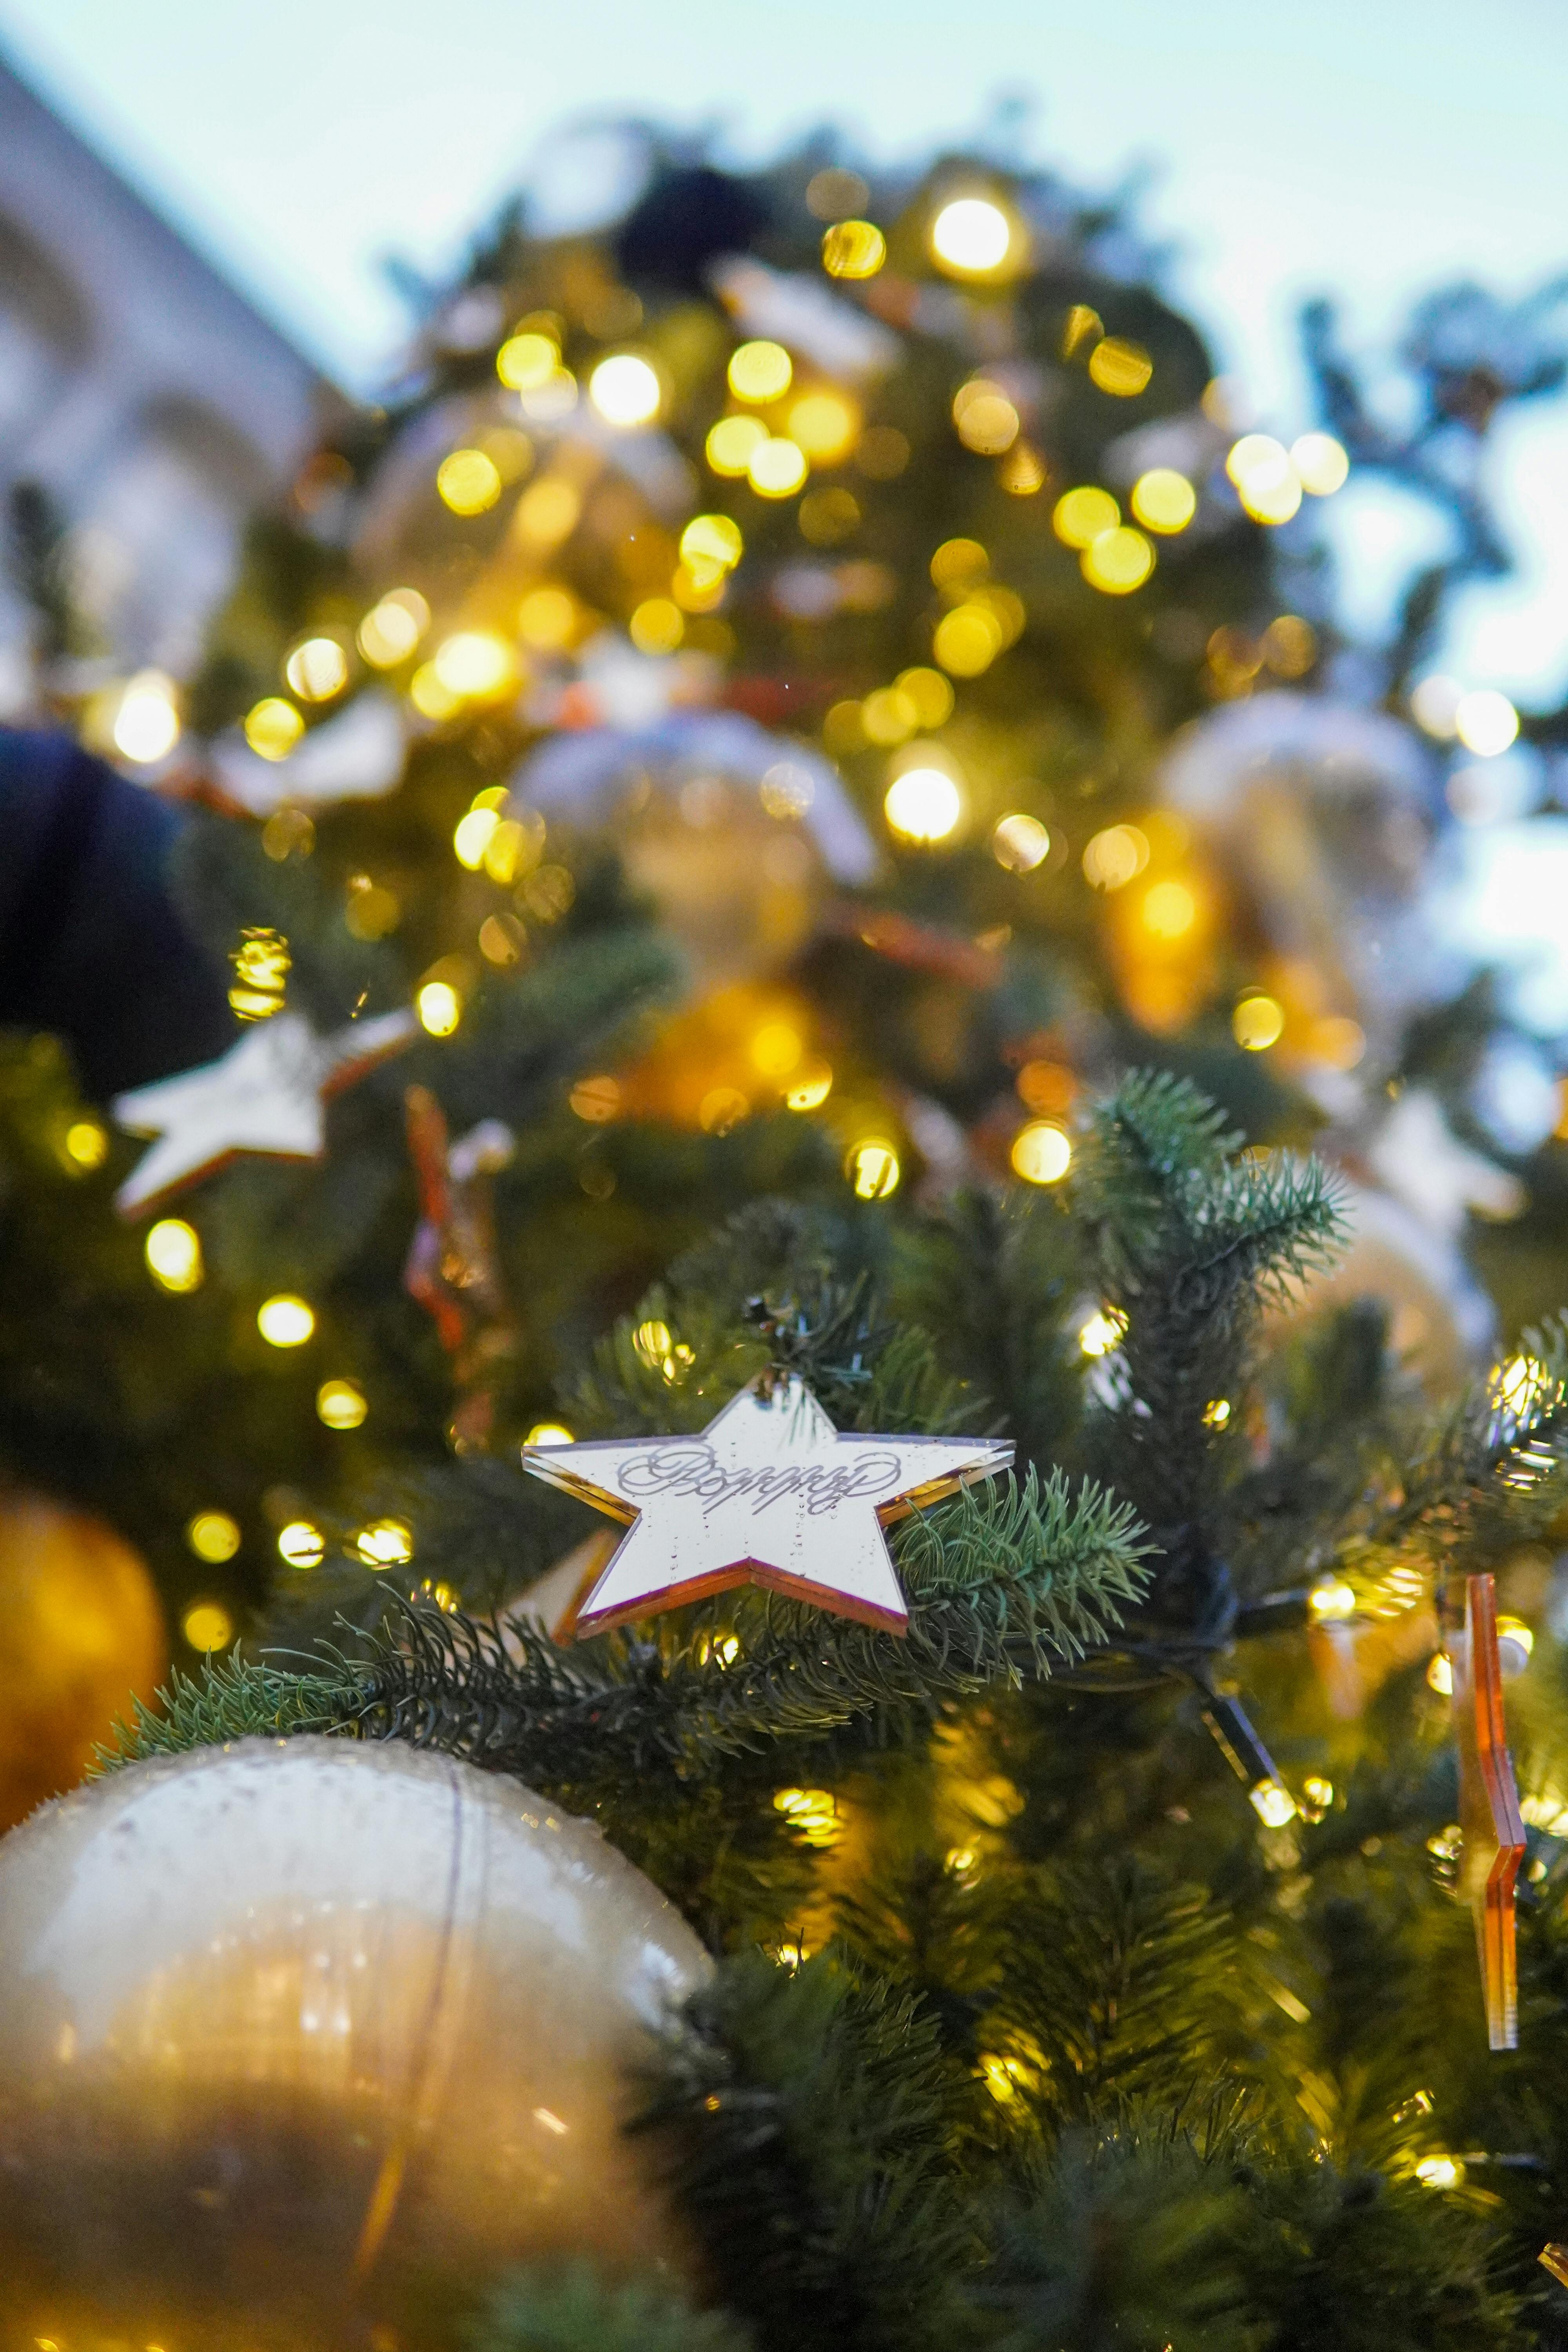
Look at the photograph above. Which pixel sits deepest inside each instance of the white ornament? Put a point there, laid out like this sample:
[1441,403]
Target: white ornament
[801,313]
[769,1493]
[268,1094]
[357,755]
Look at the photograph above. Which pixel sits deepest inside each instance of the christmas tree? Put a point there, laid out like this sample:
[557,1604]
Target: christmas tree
[698,829]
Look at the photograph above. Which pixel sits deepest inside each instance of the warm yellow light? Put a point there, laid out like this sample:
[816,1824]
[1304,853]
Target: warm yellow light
[1440,2172]
[853,248]
[1164,500]
[1105,1329]
[967,640]
[550,1432]
[525,362]
[1318,1795]
[1290,645]
[468,481]
[285,1320]
[596,1099]
[986,420]
[1441,1674]
[302,1544]
[759,371]
[1273,1803]
[824,425]
[776,469]
[207,1626]
[1217,1413]
[653,1341]
[390,630]
[1169,910]
[958,563]
[873,1170]
[887,716]
[430,696]
[147,723]
[625,390]
[1331,1600]
[547,513]
[730,442]
[87,1144]
[317,669]
[1517,1385]
[341,1404]
[721,1109]
[273,727]
[439,1007]
[813,1812]
[928,693]
[810,1088]
[213,1536]
[475,664]
[776,1049]
[1118,562]
[1080,517]
[1041,1152]
[970,237]
[547,619]
[1321,462]
[471,837]
[923,804]
[1115,856]
[1432,704]
[1120,367]
[174,1252]
[658,626]
[1258,1023]
[1020,843]
[712,539]
[1265,479]
[1515,1631]
[385,1543]
[1485,722]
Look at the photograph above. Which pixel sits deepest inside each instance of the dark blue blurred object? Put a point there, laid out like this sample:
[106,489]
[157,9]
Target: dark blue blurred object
[92,945]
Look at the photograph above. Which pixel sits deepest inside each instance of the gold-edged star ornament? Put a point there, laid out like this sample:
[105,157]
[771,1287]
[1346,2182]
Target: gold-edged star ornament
[268,1094]
[769,1494]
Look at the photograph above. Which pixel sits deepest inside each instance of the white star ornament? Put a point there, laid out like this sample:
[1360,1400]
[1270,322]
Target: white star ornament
[771,1494]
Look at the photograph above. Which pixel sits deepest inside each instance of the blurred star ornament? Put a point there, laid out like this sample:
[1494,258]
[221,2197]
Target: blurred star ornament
[1488,1806]
[81,1629]
[769,1493]
[299,2031]
[452,1267]
[266,1093]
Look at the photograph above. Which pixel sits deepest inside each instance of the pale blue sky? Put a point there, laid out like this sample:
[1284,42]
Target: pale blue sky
[1369,146]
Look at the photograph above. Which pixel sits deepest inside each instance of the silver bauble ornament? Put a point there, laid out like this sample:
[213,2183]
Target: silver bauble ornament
[299,2035]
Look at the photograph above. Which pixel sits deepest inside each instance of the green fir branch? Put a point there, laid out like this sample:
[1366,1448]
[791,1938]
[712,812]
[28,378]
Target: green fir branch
[235,1697]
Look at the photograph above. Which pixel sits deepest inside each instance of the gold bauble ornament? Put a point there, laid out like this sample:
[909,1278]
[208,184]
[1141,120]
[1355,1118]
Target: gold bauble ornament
[82,1628]
[299,2035]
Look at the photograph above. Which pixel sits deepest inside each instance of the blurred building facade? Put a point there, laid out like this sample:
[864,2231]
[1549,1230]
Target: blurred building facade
[145,395]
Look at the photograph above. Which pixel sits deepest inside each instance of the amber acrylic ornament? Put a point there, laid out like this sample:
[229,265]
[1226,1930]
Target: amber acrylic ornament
[1488,1806]
[297,2033]
[81,1629]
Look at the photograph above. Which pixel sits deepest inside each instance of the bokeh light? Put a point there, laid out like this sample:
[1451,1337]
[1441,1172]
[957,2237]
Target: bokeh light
[385,1543]
[475,664]
[824,424]
[658,626]
[810,1086]
[1169,910]
[273,727]
[759,371]
[147,723]
[85,1144]
[550,1432]
[1321,462]
[526,360]
[439,1008]
[317,669]
[392,629]
[207,1626]
[967,640]
[1080,517]
[873,1169]
[986,420]
[1020,843]
[777,468]
[923,804]
[1265,479]
[730,442]
[1258,1023]
[341,1404]
[1120,367]
[970,237]
[853,248]
[213,1536]
[1041,1152]
[302,1544]
[1485,722]
[285,1320]
[1115,856]
[625,390]
[173,1250]
[1164,500]
[1118,562]
[468,481]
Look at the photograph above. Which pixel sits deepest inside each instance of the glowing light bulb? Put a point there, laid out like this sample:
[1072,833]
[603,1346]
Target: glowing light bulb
[213,1536]
[341,1404]
[1041,1152]
[970,237]
[1020,843]
[1331,1600]
[853,248]
[1258,1023]
[526,361]
[625,390]
[472,836]
[1321,462]
[391,630]
[759,371]
[923,804]
[825,425]
[1273,1803]
[317,669]
[714,539]
[1169,910]
[1485,722]
[1080,517]
[1114,856]
[777,468]
[658,626]
[385,1543]
[1440,2172]
[475,664]
[873,1170]
[207,1626]
[285,1320]
[1105,1331]
[1440,1674]
[1118,562]
[1265,479]
[1120,367]
[147,723]
[1164,500]
[967,640]
[439,1008]
[302,1544]
[730,442]
[550,1432]
[810,1088]
[87,1144]
[173,1250]
[273,727]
